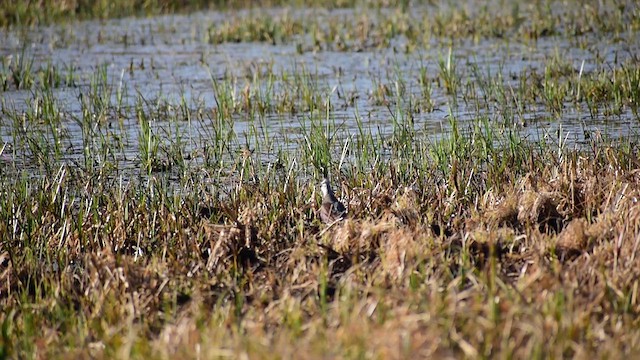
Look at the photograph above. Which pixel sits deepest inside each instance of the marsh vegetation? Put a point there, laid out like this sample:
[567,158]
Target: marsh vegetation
[160,180]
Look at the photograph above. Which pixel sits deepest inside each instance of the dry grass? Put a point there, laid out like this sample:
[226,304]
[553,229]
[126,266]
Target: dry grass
[544,266]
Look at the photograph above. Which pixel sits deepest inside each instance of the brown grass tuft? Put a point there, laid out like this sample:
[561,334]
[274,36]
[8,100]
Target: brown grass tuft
[540,209]
[506,213]
[573,240]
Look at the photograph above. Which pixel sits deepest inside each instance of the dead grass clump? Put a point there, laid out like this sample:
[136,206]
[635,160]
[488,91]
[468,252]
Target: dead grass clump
[478,246]
[400,250]
[506,213]
[370,201]
[573,240]
[235,242]
[360,236]
[580,236]
[392,239]
[494,239]
[540,209]
[527,208]
[606,226]
[406,208]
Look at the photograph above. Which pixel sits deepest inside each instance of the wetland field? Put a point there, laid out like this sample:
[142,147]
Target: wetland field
[161,161]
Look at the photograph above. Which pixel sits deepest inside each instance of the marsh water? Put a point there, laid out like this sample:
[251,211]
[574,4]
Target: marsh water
[169,67]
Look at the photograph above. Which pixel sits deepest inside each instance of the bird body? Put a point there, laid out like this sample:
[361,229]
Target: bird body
[332,209]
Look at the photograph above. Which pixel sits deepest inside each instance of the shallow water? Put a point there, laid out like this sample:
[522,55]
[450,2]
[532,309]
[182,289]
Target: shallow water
[167,61]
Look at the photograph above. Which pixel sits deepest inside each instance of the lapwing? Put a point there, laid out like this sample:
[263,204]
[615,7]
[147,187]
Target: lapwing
[332,209]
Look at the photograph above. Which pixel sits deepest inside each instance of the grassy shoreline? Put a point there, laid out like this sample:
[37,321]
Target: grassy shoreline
[43,12]
[538,259]
[418,21]
[137,227]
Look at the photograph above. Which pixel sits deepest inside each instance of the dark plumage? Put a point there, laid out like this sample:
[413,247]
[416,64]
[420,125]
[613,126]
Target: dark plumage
[331,209]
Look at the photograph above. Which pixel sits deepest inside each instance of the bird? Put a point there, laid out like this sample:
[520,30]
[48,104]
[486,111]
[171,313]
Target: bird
[332,209]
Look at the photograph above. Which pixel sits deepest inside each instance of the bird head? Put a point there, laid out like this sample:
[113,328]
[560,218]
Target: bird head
[325,187]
